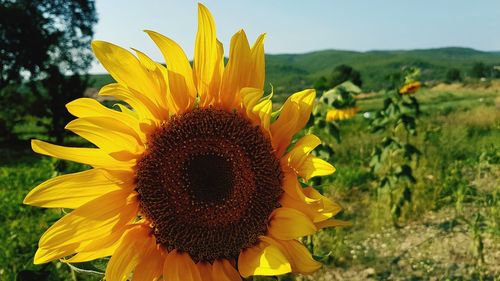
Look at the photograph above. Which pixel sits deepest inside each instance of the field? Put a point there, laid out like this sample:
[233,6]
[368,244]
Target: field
[450,231]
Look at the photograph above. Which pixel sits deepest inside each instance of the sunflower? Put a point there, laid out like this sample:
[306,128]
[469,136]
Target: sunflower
[341,113]
[410,88]
[191,179]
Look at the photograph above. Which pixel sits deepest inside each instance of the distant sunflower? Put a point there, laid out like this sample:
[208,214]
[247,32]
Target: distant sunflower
[194,182]
[341,113]
[410,88]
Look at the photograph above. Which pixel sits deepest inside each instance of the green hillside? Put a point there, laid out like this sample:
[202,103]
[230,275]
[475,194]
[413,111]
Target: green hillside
[290,72]
[296,71]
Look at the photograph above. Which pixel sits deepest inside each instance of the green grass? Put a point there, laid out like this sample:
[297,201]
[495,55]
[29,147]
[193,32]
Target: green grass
[22,225]
[459,136]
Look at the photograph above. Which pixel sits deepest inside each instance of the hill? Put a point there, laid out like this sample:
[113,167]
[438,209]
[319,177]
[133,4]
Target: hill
[290,72]
[294,71]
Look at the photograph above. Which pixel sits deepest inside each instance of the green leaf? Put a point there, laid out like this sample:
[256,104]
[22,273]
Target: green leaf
[385,182]
[396,211]
[409,151]
[333,130]
[407,194]
[323,258]
[405,171]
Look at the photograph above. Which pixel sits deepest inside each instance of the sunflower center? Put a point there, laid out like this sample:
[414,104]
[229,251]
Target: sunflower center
[210,177]
[209,181]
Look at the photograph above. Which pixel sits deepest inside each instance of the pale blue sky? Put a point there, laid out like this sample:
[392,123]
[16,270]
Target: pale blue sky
[295,26]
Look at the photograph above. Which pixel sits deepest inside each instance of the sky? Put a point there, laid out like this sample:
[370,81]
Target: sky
[295,26]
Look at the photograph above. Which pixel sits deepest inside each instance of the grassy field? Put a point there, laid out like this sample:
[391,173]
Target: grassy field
[451,231]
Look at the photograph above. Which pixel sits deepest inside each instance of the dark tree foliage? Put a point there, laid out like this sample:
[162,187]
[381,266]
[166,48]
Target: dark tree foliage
[495,72]
[42,42]
[321,84]
[453,75]
[35,35]
[344,73]
[480,70]
[68,88]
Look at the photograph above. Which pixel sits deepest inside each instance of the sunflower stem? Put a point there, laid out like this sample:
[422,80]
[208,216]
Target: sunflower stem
[73,274]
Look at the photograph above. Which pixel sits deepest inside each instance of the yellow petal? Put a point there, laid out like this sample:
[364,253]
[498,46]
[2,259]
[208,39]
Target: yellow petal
[264,109]
[205,269]
[100,248]
[257,109]
[180,267]
[87,107]
[310,210]
[206,57]
[236,72]
[294,115]
[151,265]
[174,102]
[263,259]
[180,74]
[94,157]
[99,217]
[313,167]
[317,211]
[288,224]
[298,255]
[300,151]
[327,204]
[108,139]
[132,134]
[250,97]
[303,164]
[145,108]
[292,187]
[46,255]
[160,78]
[107,118]
[146,61]
[216,83]
[71,191]
[124,67]
[223,270]
[307,200]
[128,254]
[258,72]
[127,110]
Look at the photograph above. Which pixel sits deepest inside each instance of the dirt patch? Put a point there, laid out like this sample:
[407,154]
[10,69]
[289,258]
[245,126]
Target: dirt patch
[490,85]
[438,247]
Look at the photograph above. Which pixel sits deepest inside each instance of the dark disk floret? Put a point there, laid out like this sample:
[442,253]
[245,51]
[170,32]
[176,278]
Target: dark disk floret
[209,181]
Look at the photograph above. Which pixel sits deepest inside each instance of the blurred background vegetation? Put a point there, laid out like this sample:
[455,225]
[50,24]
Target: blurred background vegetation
[45,53]
[449,230]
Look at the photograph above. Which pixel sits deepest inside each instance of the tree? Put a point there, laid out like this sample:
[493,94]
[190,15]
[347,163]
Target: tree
[479,70]
[453,75]
[344,73]
[321,84]
[67,88]
[496,72]
[42,41]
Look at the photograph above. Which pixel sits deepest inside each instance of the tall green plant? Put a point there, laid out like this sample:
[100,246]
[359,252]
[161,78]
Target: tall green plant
[395,157]
[339,100]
